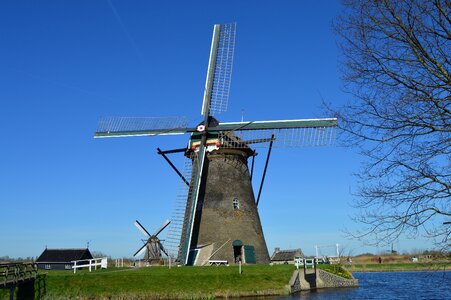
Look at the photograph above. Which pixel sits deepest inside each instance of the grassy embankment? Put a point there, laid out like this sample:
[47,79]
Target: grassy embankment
[399,267]
[397,263]
[162,283]
[192,282]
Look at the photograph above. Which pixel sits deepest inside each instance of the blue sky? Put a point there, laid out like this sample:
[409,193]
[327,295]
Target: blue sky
[63,64]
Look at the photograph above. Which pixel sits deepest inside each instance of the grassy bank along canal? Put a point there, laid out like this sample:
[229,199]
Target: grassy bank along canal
[165,283]
[191,282]
[399,267]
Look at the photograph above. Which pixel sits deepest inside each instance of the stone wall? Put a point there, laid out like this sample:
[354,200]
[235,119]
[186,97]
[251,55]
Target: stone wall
[295,282]
[323,280]
[326,280]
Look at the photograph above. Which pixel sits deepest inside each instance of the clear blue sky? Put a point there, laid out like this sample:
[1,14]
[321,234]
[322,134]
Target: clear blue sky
[65,63]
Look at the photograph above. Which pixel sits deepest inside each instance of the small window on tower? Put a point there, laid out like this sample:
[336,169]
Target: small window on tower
[236,204]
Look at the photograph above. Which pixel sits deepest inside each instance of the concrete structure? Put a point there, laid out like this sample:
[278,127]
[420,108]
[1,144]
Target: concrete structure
[318,279]
[227,225]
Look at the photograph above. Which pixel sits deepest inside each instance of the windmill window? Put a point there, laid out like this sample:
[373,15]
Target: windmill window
[236,204]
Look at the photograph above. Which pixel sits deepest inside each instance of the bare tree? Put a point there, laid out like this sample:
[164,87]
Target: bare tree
[396,64]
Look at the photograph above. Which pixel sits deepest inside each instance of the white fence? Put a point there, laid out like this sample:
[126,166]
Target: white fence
[101,262]
[119,263]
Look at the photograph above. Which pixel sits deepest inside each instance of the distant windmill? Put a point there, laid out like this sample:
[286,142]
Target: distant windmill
[218,218]
[152,244]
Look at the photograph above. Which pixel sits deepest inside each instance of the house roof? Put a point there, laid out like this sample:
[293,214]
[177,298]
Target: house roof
[286,255]
[63,255]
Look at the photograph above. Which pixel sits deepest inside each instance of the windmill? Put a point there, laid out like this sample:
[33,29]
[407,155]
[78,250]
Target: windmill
[152,244]
[218,219]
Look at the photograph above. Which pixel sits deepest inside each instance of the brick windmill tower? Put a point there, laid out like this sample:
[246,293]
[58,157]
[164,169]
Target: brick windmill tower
[217,218]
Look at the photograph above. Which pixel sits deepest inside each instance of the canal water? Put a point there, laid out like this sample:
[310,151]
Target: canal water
[388,285]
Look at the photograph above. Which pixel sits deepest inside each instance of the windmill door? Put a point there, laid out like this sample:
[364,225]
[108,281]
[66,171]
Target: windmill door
[249,254]
[192,256]
[237,251]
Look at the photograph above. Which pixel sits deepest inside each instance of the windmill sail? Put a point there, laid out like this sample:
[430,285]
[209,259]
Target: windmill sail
[192,204]
[219,75]
[254,125]
[287,133]
[162,227]
[216,96]
[141,250]
[140,126]
[175,231]
[152,246]
[142,229]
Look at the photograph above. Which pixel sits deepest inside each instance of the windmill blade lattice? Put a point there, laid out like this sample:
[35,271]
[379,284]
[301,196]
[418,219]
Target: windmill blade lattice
[172,241]
[192,201]
[223,70]
[283,138]
[140,126]
[287,133]
[162,248]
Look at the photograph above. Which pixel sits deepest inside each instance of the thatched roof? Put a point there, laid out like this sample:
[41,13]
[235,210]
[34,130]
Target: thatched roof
[286,255]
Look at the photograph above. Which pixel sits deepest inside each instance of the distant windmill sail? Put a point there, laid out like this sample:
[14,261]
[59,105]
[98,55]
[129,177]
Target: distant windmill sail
[152,246]
[219,203]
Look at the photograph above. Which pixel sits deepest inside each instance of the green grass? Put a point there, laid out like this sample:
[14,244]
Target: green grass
[162,283]
[175,283]
[393,267]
